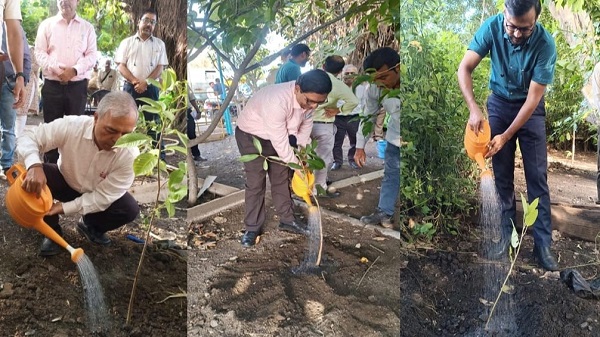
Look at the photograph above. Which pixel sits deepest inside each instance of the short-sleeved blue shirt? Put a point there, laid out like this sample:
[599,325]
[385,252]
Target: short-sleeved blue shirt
[289,71]
[514,67]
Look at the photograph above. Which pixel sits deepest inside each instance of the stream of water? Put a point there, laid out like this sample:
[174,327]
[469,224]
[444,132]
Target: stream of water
[314,241]
[503,322]
[93,297]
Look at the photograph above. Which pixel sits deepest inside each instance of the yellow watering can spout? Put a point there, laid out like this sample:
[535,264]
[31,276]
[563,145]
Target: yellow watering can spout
[302,185]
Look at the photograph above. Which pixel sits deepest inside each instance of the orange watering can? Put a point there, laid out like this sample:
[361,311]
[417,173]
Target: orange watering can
[28,210]
[477,146]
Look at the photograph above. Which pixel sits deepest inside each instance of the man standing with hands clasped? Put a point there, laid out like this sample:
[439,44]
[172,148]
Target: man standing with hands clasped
[65,47]
[139,58]
[523,55]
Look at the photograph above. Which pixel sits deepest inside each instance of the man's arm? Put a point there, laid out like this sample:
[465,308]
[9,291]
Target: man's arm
[15,51]
[372,106]
[465,81]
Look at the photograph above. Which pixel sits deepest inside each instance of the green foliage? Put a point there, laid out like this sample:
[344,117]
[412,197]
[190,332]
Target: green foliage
[436,183]
[172,102]
[564,109]
[307,156]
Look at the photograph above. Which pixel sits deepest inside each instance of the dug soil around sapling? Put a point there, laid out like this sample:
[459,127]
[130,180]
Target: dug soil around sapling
[236,291]
[443,283]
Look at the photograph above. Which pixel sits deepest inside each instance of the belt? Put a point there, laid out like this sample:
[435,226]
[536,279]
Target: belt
[318,122]
[63,83]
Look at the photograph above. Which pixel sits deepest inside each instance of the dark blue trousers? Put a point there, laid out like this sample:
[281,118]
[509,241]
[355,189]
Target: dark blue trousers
[153,93]
[532,143]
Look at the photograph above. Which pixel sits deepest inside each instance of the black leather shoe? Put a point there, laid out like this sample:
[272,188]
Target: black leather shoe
[49,248]
[377,218]
[336,166]
[92,235]
[545,258]
[294,227]
[249,238]
[354,165]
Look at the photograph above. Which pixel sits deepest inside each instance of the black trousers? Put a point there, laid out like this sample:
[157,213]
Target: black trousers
[191,132]
[345,126]
[62,100]
[151,92]
[124,210]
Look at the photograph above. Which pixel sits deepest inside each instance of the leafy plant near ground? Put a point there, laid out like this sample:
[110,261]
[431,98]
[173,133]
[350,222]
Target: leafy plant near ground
[307,156]
[437,187]
[530,214]
[172,102]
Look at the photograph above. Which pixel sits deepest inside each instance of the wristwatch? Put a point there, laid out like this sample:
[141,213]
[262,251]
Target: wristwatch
[20,73]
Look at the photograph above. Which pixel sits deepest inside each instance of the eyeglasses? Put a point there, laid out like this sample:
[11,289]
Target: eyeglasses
[350,74]
[523,30]
[311,102]
[149,21]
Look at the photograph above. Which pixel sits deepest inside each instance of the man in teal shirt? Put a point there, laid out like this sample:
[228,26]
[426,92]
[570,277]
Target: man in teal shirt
[290,71]
[523,55]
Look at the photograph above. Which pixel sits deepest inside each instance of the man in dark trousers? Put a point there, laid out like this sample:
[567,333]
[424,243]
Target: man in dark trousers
[523,55]
[139,58]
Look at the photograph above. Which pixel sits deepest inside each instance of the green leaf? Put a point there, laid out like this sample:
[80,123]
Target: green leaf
[144,163]
[248,157]
[316,164]
[265,165]
[170,208]
[257,145]
[295,166]
[133,139]
[514,238]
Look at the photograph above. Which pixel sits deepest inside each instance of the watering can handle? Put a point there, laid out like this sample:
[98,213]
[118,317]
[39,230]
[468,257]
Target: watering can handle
[11,177]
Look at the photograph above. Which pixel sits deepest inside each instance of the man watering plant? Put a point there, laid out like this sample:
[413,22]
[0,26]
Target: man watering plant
[280,118]
[522,55]
[91,176]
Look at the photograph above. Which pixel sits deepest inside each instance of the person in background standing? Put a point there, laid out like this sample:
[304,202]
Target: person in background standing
[285,55]
[386,63]
[8,114]
[139,58]
[346,122]
[290,71]
[107,78]
[10,15]
[65,47]
[32,99]
[191,128]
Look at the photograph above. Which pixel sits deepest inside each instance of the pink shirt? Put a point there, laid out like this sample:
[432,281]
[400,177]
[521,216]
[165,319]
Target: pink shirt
[61,44]
[273,113]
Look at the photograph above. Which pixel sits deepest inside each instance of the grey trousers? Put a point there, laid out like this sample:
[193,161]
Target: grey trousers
[256,183]
[324,134]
